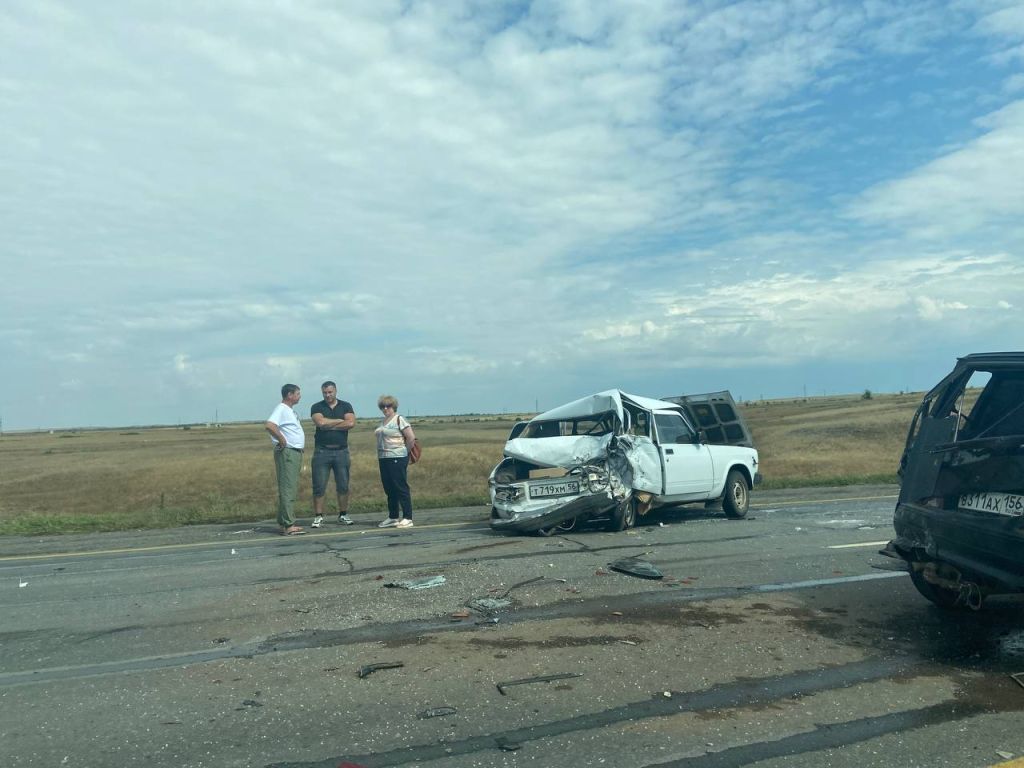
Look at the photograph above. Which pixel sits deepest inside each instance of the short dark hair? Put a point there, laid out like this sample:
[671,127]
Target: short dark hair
[328,384]
[287,389]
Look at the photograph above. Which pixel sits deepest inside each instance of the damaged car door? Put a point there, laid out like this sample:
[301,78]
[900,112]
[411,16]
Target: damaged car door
[686,463]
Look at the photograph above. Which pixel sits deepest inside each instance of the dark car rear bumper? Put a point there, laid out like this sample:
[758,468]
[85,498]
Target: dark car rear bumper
[988,547]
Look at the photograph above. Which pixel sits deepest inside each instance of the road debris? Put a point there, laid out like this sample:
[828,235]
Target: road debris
[487,622]
[424,583]
[21,583]
[369,669]
[541,679]
[489,604]
[1018,677]
[632,566]
[459,615]
[426,714]
[507,745]
[1004,755]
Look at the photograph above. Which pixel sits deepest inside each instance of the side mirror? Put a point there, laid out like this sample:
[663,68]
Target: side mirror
[702,437]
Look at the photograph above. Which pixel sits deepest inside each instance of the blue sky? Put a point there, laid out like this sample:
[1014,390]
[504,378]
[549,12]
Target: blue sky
[489,207]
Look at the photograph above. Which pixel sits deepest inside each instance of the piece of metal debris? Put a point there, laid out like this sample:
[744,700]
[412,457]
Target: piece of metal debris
[424,583]
[489,604]
[436,712]
[541,679]
[1018,677]
[369,669]
[632,566]
[487,622]
[1004,755]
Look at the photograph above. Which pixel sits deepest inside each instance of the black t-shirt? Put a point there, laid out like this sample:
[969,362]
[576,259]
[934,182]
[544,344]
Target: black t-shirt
[331,438]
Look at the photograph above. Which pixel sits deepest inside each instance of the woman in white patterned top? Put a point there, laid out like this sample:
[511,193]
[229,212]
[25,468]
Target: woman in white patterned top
[394,438]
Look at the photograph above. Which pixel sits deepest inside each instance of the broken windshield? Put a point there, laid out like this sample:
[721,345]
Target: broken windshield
[594,425]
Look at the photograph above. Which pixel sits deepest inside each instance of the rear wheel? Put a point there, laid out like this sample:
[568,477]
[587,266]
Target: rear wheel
[941,596]
[736,500]
[623,516]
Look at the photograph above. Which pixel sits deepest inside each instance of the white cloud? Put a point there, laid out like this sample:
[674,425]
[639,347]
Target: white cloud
[295,189]
[963,190]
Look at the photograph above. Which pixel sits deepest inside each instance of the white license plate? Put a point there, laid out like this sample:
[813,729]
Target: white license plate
[998,503]
[565,488]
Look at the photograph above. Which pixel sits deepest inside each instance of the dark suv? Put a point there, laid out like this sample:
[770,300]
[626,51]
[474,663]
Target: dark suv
[960,516]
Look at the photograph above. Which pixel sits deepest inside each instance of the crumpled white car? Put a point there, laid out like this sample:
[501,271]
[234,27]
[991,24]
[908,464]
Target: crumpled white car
[614,455]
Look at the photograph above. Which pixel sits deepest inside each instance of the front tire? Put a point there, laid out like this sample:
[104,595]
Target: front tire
[736,500]
[623,516]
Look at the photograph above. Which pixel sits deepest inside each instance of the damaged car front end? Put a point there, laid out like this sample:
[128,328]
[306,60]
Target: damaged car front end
[605,456]
[959,519]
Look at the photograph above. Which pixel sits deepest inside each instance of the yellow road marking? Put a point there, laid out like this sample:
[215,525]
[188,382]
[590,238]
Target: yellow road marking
[861,544]
[1017,762]
[208,544]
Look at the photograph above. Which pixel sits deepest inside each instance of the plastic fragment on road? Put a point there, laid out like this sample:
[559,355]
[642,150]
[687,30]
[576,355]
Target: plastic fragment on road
[1004,755]
[1018,677]
[541,679]
[369,669]
[632,566]
[424,583]
[426,714]
[21,583]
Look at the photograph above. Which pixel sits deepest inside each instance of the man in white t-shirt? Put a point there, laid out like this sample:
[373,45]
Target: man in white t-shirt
[289,440]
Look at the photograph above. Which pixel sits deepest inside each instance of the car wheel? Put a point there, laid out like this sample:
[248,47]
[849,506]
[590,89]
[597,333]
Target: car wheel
[736,501]
[941,596]
[623,516]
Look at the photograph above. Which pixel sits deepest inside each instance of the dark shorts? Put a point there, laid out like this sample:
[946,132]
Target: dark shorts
[326,460]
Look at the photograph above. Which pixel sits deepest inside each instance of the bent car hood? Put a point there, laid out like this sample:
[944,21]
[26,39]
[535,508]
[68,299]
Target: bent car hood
[635,460]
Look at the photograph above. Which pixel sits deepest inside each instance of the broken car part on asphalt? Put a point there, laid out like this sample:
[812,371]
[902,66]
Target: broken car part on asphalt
[960,514]
[436,712]
[632,566]
[424,583]
[614,456]
[541,679]
[369,669]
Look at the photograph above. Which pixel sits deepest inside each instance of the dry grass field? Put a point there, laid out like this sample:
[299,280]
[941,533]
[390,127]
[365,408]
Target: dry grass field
[142,478]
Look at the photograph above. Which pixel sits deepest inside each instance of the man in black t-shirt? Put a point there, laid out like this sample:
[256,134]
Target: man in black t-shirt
[333,419]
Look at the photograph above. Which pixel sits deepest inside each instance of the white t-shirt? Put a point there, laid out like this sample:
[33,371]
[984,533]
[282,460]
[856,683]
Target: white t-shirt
[390,441]
[289,425]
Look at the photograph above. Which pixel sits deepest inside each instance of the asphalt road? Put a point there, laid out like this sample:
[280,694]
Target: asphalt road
[772,641]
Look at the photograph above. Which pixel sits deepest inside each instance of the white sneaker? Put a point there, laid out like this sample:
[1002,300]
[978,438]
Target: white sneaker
[389,522]
[404,523]
[318,520]
[345,520]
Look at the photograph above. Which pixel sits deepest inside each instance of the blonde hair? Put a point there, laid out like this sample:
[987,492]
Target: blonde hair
[387,400]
